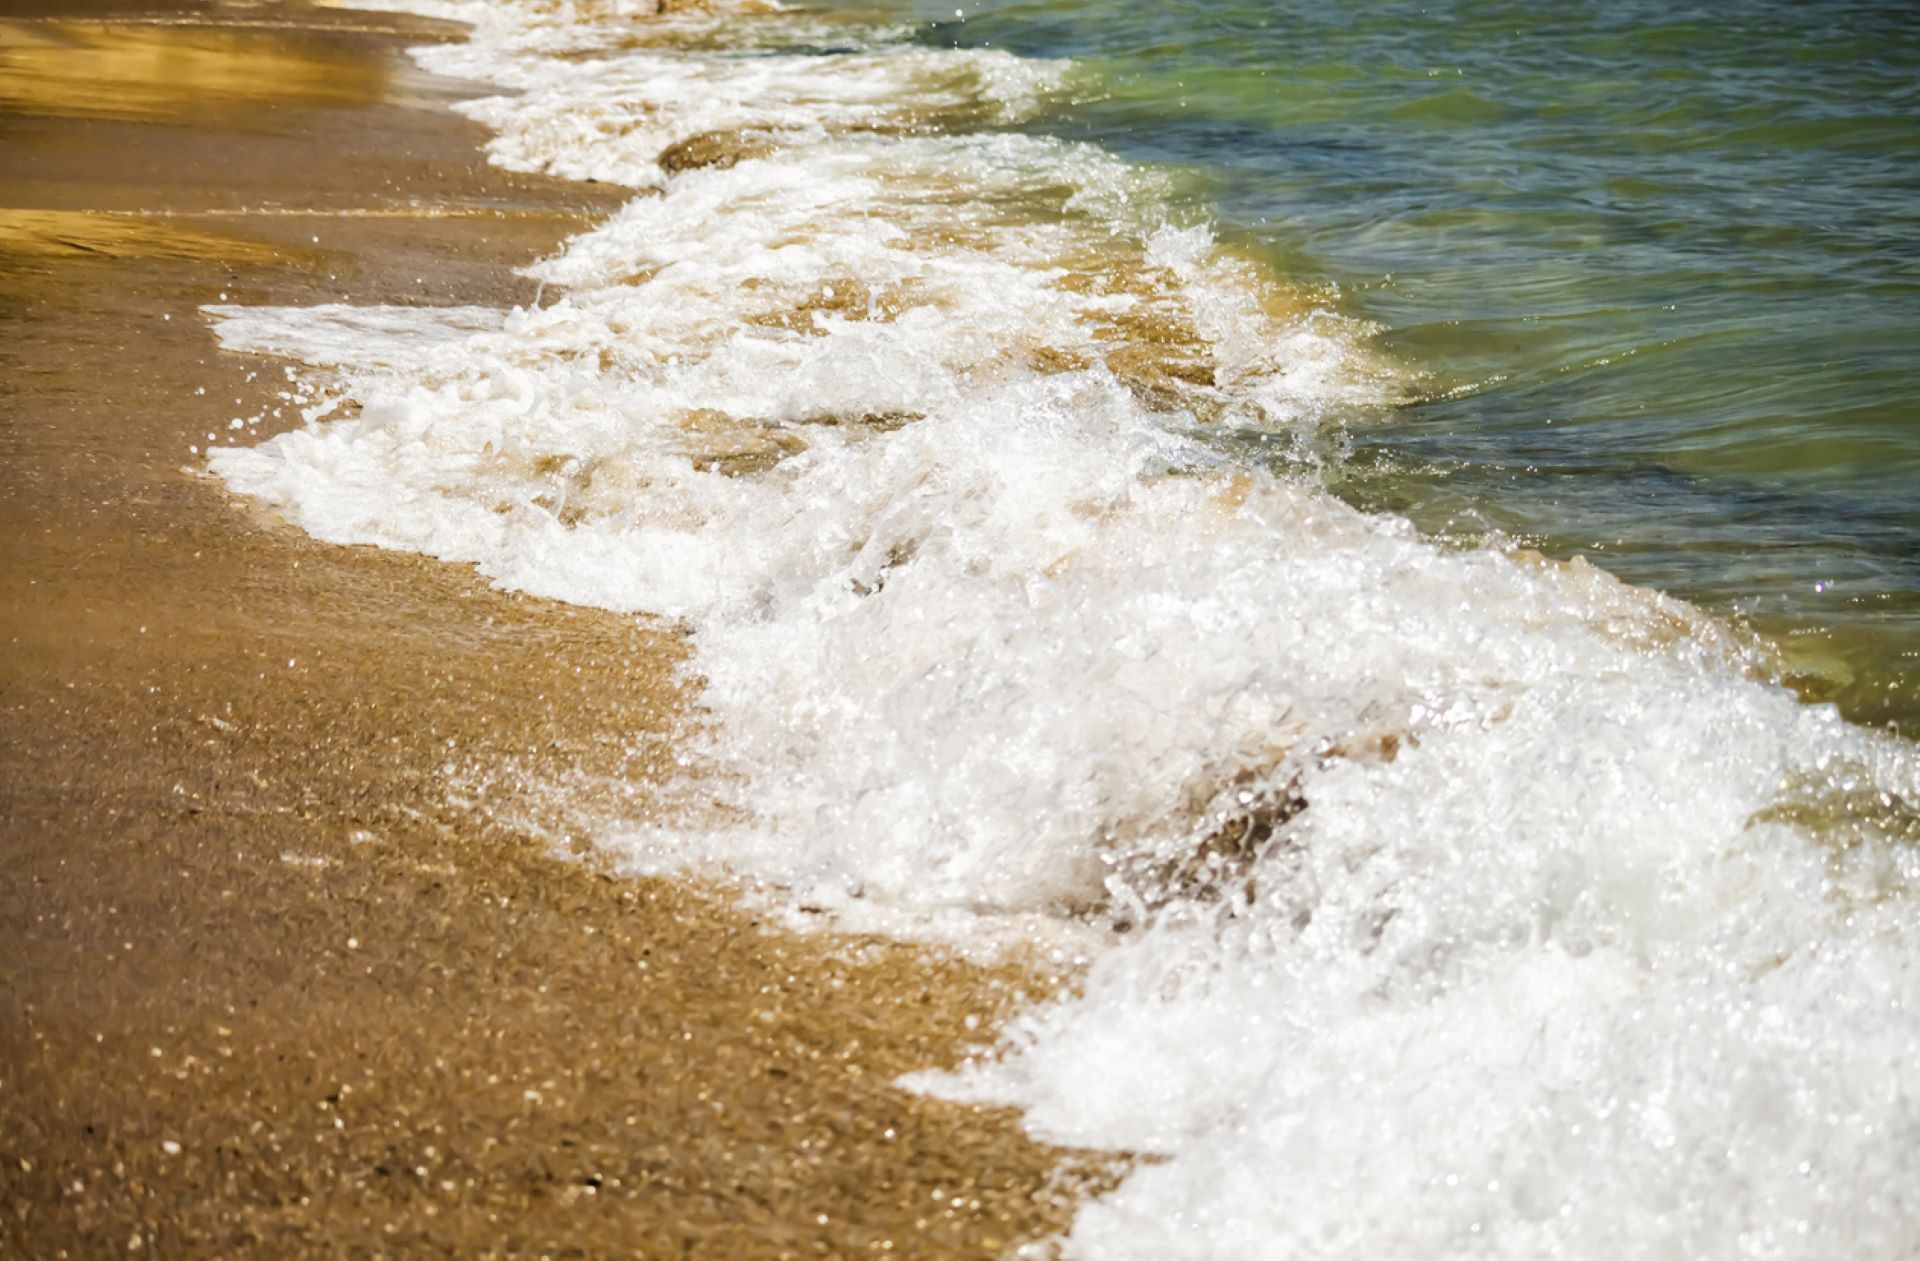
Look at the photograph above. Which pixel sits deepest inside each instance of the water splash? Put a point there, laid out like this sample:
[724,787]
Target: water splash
[1453,902]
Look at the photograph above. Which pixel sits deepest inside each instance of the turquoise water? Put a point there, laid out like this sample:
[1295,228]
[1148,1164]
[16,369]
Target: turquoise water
[1656,269]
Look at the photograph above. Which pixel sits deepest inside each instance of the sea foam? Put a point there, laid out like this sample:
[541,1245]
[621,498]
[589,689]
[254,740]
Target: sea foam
[1447,902]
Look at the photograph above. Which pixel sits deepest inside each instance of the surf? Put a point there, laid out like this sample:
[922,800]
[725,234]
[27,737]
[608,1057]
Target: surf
[1443,900]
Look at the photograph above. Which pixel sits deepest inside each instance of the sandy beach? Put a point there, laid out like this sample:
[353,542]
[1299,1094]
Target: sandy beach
[1085,631]
[268,990]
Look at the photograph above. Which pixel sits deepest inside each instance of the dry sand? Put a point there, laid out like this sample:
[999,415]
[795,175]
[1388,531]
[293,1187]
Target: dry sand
[266,990]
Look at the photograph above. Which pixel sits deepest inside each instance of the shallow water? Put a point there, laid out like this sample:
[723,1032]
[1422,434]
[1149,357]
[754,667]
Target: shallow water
[1658,269]
[1442,899]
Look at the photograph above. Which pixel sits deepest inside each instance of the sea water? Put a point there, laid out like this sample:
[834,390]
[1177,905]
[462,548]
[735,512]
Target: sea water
[1657,265]
[1015,445]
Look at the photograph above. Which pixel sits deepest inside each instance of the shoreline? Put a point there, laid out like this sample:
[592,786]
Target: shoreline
[272,992]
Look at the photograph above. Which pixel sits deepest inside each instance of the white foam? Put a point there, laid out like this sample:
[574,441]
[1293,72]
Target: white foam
[1478,906]
[587,103]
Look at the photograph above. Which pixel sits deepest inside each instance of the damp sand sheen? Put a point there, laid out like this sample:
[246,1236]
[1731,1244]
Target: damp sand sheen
[1409,899]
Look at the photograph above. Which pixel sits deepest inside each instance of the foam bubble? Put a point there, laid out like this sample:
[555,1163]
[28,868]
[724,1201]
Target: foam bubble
[1451,901]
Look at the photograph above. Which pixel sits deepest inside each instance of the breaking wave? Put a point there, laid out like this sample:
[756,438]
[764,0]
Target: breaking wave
[1447,902]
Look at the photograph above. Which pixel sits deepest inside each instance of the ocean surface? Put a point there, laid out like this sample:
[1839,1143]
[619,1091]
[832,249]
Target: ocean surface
[1382,538]
[1656,267]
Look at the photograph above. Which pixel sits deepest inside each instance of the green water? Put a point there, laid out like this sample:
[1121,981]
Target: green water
[1657,270]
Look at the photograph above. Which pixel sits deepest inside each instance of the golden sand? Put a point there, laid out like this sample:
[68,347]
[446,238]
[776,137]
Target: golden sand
[268,991]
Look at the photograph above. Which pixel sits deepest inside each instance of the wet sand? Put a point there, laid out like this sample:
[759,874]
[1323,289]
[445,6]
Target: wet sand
[269,990]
